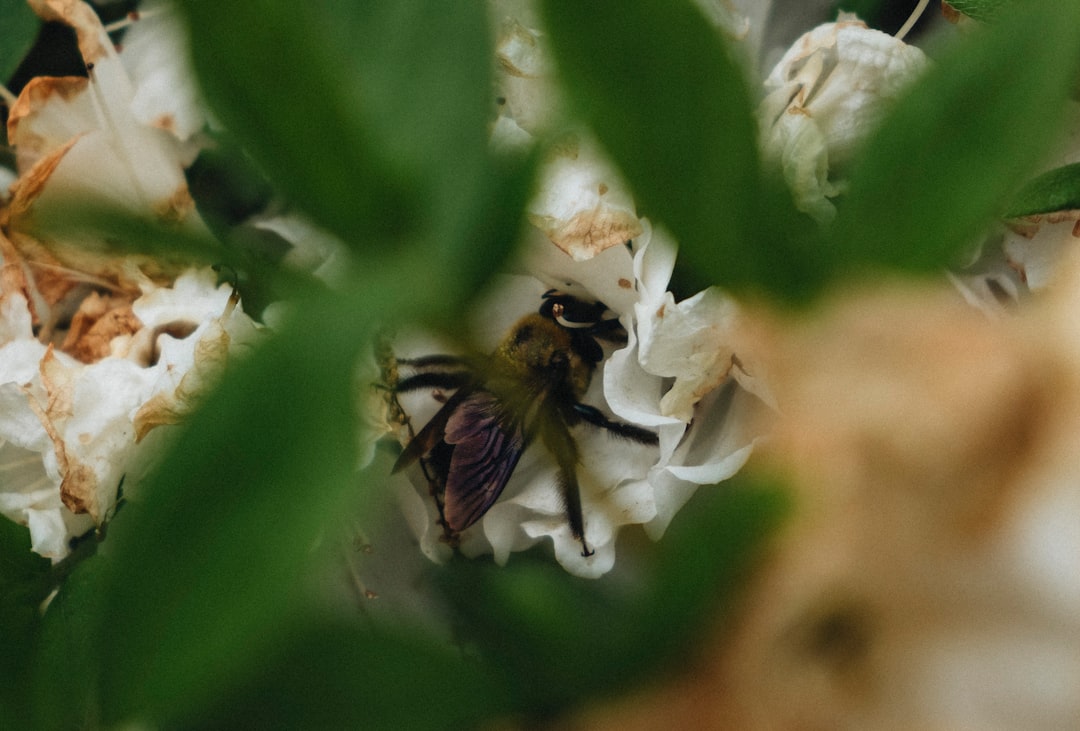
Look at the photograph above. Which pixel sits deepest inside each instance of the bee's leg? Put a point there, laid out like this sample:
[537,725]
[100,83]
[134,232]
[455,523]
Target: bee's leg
[610,330]
[433,379]
[435,361]
[628,431]
[557,438]
[435,467]
[572,495]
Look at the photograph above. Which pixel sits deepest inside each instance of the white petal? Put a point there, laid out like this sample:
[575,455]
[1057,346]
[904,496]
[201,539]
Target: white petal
[654,262]
[825,95]
[155,52]
[48,532]
[632,392]
[607,277]
[314,249]
[194,297]
[581,203]
[717,446]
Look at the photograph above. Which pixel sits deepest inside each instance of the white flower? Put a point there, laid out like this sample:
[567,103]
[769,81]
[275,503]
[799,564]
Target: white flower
[156,55]
[71,431]
[682,372]
[823,97]
[689,386]
[678,373]
[613,471]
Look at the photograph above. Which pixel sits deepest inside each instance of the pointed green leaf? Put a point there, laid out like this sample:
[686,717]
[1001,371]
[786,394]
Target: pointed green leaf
[20,29]
[24,584]
[67,665]
[1056,190]
[560,639]
[943,163]
[985,10]
[359,112]
[207,559]
[339,676]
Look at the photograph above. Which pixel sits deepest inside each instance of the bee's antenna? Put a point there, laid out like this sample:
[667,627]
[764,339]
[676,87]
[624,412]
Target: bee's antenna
[912,19]
[557,311]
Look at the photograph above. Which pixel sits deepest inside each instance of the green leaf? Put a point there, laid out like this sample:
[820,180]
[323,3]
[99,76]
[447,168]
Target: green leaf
[20,29]
[671,106]
[985,10]
[560,640]
[707,551]
[208,558]
[362,113]
[945,160]
[209,553]
[226,185]
[67,664]
[336,675]
[1056,190]
[24,584]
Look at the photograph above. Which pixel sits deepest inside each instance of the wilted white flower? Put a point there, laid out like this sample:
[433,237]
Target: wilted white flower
[87,140]
[823,97]
[70,430]
[145,336]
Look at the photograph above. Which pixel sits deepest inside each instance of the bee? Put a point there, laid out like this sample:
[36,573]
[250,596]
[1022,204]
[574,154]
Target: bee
[530,387]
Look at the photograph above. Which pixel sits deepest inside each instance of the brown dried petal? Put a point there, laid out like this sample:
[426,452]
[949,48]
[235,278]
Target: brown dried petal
[36,97]
[172,406]
[98,321]
[587,233]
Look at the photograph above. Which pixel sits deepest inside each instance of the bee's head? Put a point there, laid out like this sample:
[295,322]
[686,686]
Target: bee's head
[539,348]
[585,321]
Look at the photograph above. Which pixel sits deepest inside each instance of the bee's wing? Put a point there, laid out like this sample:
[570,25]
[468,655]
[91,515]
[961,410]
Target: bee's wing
[488,439]
[432,433]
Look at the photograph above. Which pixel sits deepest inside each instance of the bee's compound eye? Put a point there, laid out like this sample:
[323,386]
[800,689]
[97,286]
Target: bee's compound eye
[591,351]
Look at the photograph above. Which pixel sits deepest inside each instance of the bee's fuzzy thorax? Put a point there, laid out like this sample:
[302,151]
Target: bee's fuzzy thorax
[539,352]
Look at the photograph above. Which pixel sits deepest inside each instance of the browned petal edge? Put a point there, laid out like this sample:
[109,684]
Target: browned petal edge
[26,189]
[176,207]
[171,407]
[36,94]
[162,409]
[77,487]
[78,491]
[82,18]
[588,233]
[99,319]
[13,274]
[50,279]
